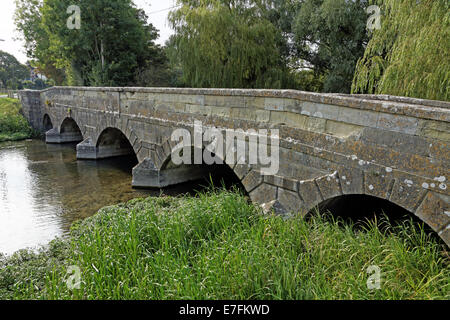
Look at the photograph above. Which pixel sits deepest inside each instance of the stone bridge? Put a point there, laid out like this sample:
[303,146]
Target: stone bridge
[331,145]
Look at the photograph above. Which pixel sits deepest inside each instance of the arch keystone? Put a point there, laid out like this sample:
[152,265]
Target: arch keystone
[435,211]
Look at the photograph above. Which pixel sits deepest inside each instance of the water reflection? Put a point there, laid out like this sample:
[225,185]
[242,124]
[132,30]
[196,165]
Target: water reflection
[44,189]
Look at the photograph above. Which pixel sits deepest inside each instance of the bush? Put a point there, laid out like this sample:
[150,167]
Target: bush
[13,126]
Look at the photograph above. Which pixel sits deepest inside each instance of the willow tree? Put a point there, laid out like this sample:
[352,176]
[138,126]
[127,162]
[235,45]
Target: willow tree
[224,43]
[410,54]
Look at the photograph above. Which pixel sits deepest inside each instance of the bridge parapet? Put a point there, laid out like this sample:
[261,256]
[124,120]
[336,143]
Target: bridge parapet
[331,145]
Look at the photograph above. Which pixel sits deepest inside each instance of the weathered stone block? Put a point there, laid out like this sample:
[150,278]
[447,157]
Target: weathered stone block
[351,180]
[243,113]
[358,117]
[296,120]
[342,130]
[255,102]
[329,186]
[263,194]
[377,185]
[310,194]
[252,180]
[398,123]
[278,118]
[262,115]
[407,196]
[316,124]
[274,104]
[282,182]
[435,210]
[291,201]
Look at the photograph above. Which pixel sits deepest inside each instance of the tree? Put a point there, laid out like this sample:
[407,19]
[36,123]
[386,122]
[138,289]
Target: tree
[410,54]
[228,43]
[175,65]
[329,37]
[12,72]
[112,48]
[28,21]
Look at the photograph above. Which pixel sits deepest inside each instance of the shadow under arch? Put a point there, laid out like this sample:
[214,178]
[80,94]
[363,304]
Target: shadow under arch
[203,176]
[112,142]
[359,209]
[69,132]
[47,123]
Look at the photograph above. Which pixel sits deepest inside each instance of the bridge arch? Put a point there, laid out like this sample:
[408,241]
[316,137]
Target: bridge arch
[70,128]
[361,208]
[356,206]
[159,171]
[220,171]
[67,132]
[112,142]
[47,123]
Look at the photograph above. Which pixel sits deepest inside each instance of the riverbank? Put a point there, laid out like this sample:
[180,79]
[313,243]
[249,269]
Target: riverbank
[13,126]
[218,246]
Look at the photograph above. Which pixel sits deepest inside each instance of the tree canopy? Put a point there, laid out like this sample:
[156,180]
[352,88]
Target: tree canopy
[12,72]
[28,20]
[410,54]
[224,43]
[330,36]
[112,47]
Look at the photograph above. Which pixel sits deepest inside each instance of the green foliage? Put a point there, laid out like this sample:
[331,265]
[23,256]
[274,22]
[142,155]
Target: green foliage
[29,271]
[12,72]
[330,36]
[28,21]
[13,126]
[308,80]
[218,246]
[37,84]
[171,50]
[410,54]
[114,46]
[228,44]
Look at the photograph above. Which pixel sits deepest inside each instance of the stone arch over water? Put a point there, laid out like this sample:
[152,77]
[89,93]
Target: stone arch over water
[68,132]
[112,142]
[47,123]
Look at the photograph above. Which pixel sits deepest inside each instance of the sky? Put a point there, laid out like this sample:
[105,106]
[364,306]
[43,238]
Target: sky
[155,9]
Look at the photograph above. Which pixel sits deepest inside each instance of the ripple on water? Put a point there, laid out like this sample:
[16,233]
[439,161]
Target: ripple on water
[44,189]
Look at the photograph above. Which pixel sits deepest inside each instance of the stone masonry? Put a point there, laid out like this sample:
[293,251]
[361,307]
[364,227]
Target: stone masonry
[393,148]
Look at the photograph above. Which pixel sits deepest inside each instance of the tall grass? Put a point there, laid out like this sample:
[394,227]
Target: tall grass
[13,126]
[218,246]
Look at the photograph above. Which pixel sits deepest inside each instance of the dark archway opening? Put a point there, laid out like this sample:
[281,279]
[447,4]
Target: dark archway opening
[70,131]
[361,210]
[47,123]
[113,143]
[70,126]
[218,175]
[115,150]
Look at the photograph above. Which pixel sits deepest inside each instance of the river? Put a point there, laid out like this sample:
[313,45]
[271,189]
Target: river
[44,189]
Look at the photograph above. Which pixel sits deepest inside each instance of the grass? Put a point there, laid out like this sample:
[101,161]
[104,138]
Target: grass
[218,246]
[13,126]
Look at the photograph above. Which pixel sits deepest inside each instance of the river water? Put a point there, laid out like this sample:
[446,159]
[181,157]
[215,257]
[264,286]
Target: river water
[44,189]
